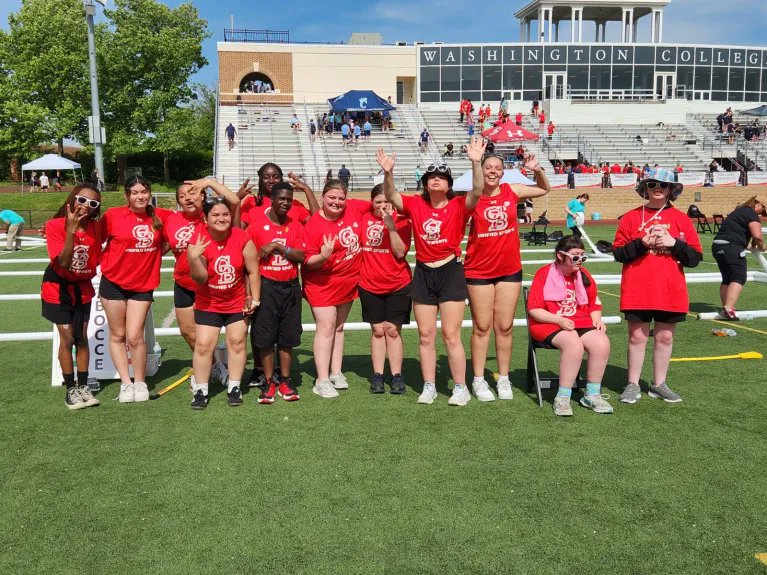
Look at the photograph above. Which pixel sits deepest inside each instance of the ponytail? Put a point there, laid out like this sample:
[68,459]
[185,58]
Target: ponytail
[156,222]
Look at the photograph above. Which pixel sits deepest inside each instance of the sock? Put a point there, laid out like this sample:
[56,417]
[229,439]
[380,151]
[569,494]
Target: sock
[82,378]
[459,386]
[593,388]
[478,379]
[232,384]
[503,379]
[565,392]
[204,388]
[425,383]
[69,380]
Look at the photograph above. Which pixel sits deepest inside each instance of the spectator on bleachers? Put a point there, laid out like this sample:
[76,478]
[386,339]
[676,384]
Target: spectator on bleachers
[312,130]
[344,175]
[345,135]
[534,110]
[295,123]
[464,149]
[559,168]
[470,124]
[646,170]
[490,148]
[418,175]
[518,119]
[616,169]
[447,151]
[357,134]
[551,129]
[503,107]
[487,112]
[464,108]
[328,176]
[368,128]
[542,120]
[726,119]
[520,152]
[231,132]
[639,140]
[720,122]
[679,168]
[423,141]
[481,114]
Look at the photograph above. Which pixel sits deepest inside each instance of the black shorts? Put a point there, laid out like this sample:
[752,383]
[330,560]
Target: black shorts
[64,313]
[278,319]
[183,297]
[110,290]
[732,266]
[215,319]
[432,286]
[392,307]
[648,315]
[579,330]
[513,278]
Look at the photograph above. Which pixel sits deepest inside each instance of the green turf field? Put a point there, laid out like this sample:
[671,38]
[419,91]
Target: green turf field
[378,484]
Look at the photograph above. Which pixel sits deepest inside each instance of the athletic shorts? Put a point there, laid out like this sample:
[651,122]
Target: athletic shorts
[648,315]
[110,290]
[278,319]
[64,313]
[732,266]
[432,286]
[182,297]
[392,307]
[215,319]
[579,330]
[513,278]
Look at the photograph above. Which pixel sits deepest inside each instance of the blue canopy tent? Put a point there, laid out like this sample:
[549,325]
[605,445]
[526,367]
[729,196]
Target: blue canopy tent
[359,101]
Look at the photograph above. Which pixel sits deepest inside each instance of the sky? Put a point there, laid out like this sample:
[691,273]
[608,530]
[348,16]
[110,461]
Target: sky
[737,22]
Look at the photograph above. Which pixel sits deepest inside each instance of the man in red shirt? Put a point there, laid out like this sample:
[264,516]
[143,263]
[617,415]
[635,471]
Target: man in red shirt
[616,169]
[551,128]
[518,118]
[542,119]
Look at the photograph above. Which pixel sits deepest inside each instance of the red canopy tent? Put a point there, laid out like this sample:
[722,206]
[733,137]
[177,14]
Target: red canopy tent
[509,132]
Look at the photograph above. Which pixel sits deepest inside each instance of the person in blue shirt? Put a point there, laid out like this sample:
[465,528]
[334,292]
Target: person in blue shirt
[357,133]
[345,134]
[14,226]
[576,210]
[368,128]
[231,132]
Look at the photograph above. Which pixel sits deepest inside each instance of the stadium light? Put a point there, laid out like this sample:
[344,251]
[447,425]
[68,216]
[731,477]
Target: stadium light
[96,132]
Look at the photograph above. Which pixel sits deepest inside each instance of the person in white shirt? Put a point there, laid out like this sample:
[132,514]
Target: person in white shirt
[44,182]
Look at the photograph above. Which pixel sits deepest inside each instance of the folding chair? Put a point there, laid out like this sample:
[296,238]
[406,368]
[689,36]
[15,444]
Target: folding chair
[534,379]
[539,237]
[703,225]
[718,221]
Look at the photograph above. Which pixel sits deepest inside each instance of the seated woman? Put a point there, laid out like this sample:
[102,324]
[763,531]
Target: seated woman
[565,312]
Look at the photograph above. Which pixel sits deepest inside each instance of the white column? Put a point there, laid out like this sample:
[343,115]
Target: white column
[631,25]
[660,27]
[652,26]
[551,24]
[572,23]
[580,24]
[540,24]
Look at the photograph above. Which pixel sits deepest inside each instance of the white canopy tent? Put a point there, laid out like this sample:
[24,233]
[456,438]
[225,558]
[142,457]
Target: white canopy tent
[50,162]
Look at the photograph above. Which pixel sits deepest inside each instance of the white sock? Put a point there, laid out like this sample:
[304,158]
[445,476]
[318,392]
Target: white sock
[457,385]
[478,379]
[232,384]
[503,378]
[204,388]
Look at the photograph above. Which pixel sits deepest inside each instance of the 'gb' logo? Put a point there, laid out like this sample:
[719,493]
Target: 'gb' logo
[497,218]
[431,227]
[144,236]
[183,237]
[224,269]
[350,240]
[79,258]
[375,235]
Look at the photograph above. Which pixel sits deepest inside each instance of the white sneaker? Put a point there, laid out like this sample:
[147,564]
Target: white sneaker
[482,391]
[126,393]
[339,381]
[429,394]
[460,397]
[220,373]
[504,389]
[324,389]
[140,391]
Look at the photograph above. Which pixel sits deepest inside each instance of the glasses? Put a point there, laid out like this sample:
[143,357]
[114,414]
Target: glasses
[662,185]
[439,168]
[83,201]
[215,200]
[577,258]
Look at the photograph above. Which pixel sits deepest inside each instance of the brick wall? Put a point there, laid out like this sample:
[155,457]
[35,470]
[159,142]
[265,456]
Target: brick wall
[233,66]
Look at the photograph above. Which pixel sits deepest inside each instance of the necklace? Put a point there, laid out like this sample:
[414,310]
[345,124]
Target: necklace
[654,217]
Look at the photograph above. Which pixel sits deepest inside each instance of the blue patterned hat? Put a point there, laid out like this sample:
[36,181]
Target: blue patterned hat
[660,175]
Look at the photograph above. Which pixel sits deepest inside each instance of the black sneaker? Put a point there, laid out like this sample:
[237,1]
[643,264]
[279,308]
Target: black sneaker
[234,397]
[397,384]
[200,400]
[377,383]
[257,379]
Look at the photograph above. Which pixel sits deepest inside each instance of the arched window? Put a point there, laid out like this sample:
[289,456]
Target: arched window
[256,82]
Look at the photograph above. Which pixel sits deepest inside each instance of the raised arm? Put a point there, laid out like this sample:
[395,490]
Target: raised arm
[232,200]
[542,186]
[387,165]
[197,264]
[398,247]
[299,184]
[475,151]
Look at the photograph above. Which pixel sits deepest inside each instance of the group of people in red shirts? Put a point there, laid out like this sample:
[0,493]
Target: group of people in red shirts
[238,257]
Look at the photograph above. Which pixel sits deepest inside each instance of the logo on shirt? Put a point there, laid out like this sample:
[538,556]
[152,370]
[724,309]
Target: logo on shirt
[431,228]
[225,270]
[79,258]
[183,236]
[569,305]
[349,239]
[497,218]
[144,236]
[375,235]
[277,259]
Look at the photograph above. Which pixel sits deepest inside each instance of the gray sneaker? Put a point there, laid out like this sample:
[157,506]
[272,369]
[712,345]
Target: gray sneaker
[562,406]
[631,394]
[597,403]
[663,392]
[87,396]
[338,380]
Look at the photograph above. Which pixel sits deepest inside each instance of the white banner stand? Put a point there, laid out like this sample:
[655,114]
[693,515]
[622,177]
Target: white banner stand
[101,366]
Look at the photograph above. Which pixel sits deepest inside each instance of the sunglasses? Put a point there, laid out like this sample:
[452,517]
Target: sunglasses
[215,200]
[662,185]
[439,168]
[576,257]
[83,201]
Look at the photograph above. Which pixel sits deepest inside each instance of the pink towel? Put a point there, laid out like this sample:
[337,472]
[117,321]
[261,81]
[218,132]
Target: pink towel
[555,288]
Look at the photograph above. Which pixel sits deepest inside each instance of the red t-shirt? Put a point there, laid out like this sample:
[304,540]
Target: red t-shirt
[542,118]
[178,230]
[133,252]
[336,281]
[85,259]
[493,247]
[291,235]
[518,118]
[655,281]
[605,169]
[438,231]
[569,308]
[224,292]
[381,272]
[616,169]
[249,211]
[551,129]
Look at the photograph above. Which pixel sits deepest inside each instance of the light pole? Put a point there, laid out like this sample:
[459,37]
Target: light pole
[95,122]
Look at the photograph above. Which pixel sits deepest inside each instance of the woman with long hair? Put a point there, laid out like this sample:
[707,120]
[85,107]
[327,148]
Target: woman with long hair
[224,264]
[331,272]
[385,288]
[654,242]
[73,239]
[739,228]
[493,263]
[130,269]
[565,312]
[439,284]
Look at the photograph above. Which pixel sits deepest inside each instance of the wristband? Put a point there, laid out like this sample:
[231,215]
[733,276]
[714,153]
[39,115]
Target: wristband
[287,251]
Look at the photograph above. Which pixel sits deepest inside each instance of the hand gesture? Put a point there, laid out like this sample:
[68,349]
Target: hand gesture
[194,251]
[566,324]
[530,162]
[666,240]
[198,185]
[386,209]
[649,241]
[476,148]
[599,324]
[386,162]
[244,188]
[297,183]
[74,220]
[266,251]
[328,243]
[250,306]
